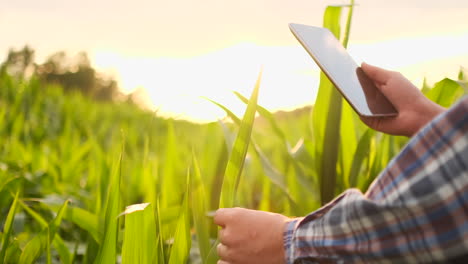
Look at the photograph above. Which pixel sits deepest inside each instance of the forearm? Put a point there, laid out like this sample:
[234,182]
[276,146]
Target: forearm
[415,211]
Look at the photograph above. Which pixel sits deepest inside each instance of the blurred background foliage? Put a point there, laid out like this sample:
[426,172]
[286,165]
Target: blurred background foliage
[71,73]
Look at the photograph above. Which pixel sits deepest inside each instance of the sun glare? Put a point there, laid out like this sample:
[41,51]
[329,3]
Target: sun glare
[178,87]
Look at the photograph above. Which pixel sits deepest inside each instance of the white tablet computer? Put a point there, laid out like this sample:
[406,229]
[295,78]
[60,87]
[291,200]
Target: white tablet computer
[330,55]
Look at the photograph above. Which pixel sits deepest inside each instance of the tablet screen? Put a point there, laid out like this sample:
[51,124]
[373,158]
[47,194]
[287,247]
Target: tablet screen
[342,70]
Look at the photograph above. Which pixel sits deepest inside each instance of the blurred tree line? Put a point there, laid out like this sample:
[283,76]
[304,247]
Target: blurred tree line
[72,74]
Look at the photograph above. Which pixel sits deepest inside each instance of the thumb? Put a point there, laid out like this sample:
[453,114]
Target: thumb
[377,74]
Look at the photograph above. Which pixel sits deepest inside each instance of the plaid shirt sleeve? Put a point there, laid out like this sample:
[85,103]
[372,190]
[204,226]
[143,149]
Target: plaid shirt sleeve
[415,211]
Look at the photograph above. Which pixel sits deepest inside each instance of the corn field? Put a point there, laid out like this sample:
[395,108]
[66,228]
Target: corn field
[89,182]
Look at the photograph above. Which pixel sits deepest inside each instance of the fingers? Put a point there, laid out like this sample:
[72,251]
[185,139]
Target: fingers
[226,237]
[377,74]
[224,217]
[223,252]
[222,236]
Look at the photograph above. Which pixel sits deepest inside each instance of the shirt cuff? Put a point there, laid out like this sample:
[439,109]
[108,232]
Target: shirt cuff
[288,237]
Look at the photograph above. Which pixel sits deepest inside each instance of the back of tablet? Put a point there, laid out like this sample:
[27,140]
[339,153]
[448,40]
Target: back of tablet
[343,72]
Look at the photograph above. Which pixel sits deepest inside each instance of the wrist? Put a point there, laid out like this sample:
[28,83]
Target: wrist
[432,110]
[428,110]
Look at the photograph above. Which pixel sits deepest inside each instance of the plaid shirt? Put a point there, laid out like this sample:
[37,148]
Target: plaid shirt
[415,211]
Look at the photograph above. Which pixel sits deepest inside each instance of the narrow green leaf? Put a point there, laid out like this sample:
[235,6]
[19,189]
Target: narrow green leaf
[82,218]
[36,246]
[382,147]
[58,243]
[7,228]
[86,220]
[13,252]
[326,117]
[108,250]
[171,184]
[361,153]
[273,174]
[239,152]
[348,25]
[348,141]
[198,205]
[231,115]
[269,116]
[5,182]
[49,258]
[270,171]
[461,74]
[160,255]
[182,241]
[33,214]
[217,181]
[62,250]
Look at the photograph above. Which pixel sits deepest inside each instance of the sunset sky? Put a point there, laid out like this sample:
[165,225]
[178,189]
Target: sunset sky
[179,51]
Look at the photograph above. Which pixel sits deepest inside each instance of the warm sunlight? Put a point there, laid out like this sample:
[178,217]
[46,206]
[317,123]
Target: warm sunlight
[175,57]
[176,87]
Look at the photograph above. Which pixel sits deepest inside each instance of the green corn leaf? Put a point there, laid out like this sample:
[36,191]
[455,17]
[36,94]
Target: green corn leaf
[266,197]
[198,203]
[86,220]
[326,116]
[171,182]
[217,181]
[274,174]
[62,249]
[269,116]
[13,252]
[361,153]
[231,115]
[108,250]
[7,228]
[382,145]
[425,86]
[49,258]
[58,242]
[82,218]
[239,152]
[182,241]
[461,74]
[149,175]
[33,214]
[140,242]
[160,255]
[36,246]
[7,180]
[445,92]
[270,171]
[348,24]
[348,141]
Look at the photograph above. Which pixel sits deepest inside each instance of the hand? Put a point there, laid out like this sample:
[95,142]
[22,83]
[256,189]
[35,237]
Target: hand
[414,109]
[250,237]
